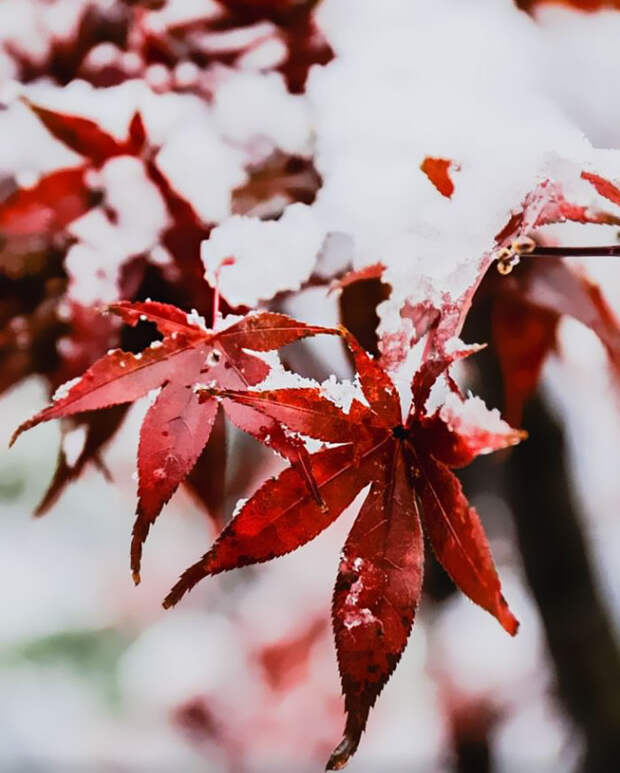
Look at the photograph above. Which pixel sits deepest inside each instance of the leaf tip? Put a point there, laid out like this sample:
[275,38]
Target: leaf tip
[27,102]
[135,576]
[342,753]
[173,597]
[18,432]
[507,620]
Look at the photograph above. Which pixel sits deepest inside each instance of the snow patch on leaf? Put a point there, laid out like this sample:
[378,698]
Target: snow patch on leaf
[269,256]
[342,393]
[105,244]
[250,106]
[64,389]
[203,168]
[472,418]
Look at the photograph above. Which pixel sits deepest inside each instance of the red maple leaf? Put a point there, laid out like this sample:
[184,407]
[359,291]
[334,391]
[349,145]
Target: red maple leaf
[185,232]
[33,220]
[86,138]
[178,424]
[527,307]
[33,223]
[529,302]
[407,466]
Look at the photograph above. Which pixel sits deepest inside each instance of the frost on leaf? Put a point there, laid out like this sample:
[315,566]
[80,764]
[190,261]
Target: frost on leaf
[407,464]
[262,251]
[437,309]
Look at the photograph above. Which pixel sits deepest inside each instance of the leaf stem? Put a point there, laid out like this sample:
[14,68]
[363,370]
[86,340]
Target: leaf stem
[609,251]
[229,261]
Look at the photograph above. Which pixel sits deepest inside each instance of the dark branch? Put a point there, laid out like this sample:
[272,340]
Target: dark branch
[610,251]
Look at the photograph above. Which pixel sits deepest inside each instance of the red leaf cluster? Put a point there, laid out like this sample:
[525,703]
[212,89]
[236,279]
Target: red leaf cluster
[407,465]
[177,426]
[528,302]
[403,463]
[42,333]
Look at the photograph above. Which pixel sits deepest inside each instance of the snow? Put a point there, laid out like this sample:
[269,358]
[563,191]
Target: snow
[32,149]
[186,74]
[177,12]
[197,320]
[64,389]
[472,415]
[504,139]
[111,108]
[236,39]
[269,256]
[269,53]
[30,25]
[342,393]
[482,659]
[104,246]
[582,68]
[537,737]
[249,105]
[200,165]
[373,114]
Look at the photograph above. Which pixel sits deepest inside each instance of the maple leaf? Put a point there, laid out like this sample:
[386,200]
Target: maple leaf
[546,205]
[33,220]
[89,335]
[184,234]
[529,302]
[407,464]
[33,226]
[206,481]
[439,316]
[527,307]
[285,661]
[178,424]
[86,138]
[373,271]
